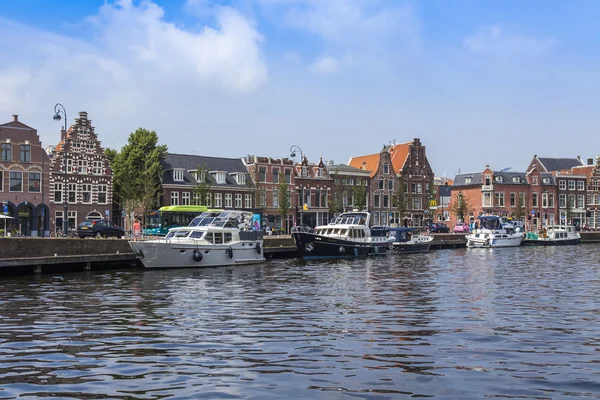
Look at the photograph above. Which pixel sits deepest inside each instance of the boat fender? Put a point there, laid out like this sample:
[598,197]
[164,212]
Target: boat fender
[342,250]
[197,255]
[376,250]
[229,252]
[258,249]
[355,252]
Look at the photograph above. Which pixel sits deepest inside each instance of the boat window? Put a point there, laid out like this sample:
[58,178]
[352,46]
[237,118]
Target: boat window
[169,235]
[209,237]
[344,232]
[179,234]
[196,235]
[218,237]
[227,237]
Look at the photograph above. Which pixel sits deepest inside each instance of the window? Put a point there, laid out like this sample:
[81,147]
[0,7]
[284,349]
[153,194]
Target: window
[185,198]
[262,197]
[304,171]
[545,200]
[499,199]
[97,168]
[580,201]
[562,184]
[6,153]
[196,199]
[499,179]
[72,192]
[381,184]
[580,185]
[376,202]
[86,193]
[386,201]
[487,200]
[350,181]
[419,188]
[174,198]
[390,184]
[386,168]
[417,201]
[513,199]
[238,200]
[58,191]
[275,198]
[288,175]
[178,175]
[25,153]
[262,174]
[562,201]
[35,179]
[546,180]
[218,200]
[571,185]
[248,200]
[534,199]
[324,198]
[16,181]
[220,177]
[321,172]
[208,200]
[82,166]
[1,181]
[102,194]
[551,200]
[275,172]
[240,178]
[468,180]
[228,200]
[58,219]
[572,200]
[522,199]
[487,180]
[516,179]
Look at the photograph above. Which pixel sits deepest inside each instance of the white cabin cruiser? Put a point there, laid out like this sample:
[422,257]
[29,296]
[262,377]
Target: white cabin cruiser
[209,241]
[493,232]
[553,235]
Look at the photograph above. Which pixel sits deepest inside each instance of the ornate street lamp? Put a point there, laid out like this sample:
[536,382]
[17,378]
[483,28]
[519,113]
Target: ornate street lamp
[60,109]
[293,149]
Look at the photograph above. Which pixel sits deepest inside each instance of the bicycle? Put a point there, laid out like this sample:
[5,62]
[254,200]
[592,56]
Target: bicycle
[59,233]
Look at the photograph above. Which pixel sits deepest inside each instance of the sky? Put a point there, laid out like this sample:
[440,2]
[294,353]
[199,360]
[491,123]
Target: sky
[479,82]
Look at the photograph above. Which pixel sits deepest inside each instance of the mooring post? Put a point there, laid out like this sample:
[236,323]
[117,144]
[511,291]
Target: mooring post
[37,269]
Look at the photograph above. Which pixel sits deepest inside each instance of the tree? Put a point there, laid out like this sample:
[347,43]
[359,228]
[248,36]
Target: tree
[284,198]
[569,209]
[202,187]
[461,206]
[336,204]
[360,196]
[400,199]
[137,171]
[520,211]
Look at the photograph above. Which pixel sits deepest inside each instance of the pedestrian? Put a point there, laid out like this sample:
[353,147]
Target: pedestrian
[137,230]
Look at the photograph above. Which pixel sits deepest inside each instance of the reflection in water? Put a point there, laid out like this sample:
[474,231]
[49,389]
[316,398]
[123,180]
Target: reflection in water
[455,324]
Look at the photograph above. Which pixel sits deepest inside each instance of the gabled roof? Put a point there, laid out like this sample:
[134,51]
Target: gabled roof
[192,162]
[559,164]
[398,154]
[370,163]
[16,125]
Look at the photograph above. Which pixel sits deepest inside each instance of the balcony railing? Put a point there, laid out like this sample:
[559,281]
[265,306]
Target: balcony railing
[487,188]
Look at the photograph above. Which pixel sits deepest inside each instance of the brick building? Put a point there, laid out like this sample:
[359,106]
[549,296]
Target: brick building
[312,185]
[265,173]
[229,184]
[86,186]
[592,173]
[24,167]
[346,183]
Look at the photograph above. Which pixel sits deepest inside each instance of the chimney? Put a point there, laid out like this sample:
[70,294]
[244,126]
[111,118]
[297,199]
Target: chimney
[364,166]
[15,118]
[590,161]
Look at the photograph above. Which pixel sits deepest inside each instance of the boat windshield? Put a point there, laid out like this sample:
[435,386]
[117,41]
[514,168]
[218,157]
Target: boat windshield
[204,219]
[229,219]
[350,219]
[177,233]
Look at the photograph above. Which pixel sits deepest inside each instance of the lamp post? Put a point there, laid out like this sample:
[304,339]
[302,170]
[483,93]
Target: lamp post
[60,109]
[293,149]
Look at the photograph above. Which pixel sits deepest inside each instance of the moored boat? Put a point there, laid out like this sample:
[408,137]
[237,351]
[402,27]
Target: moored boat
[209,241]
[493,232]
[554,235]
[408,240]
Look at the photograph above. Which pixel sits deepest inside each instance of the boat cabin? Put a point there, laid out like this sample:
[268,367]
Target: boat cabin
[402,234]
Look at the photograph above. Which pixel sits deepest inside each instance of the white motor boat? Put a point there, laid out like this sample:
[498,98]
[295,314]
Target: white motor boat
[553,235]
[493,232]
[209,241]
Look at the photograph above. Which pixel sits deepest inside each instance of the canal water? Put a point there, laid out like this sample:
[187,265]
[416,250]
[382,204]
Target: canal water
[452,324]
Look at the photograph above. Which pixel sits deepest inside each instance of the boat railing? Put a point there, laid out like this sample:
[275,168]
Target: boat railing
[302,229]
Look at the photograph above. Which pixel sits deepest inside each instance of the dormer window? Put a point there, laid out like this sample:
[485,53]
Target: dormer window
[534,180]
[194,174]
[468,180]
[178,175]
[304,171]
[499,179]
[516,179]
[546,180]
[322,172]
[386,168]
[240,178]
[488,180]
[220,177]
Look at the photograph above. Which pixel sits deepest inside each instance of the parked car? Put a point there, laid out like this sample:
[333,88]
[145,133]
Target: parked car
[100,228]
[462,228]
[438,227]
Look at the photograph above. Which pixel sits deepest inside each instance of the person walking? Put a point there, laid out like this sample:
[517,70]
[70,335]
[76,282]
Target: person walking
[137,230]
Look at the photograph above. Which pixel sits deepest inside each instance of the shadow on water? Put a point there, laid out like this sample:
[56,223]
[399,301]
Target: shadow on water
[455,324]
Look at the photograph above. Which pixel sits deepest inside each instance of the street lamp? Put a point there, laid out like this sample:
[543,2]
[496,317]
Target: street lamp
[60,109]
[293,149]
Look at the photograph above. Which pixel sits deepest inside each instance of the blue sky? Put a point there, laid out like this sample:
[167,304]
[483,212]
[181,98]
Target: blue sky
[480,82]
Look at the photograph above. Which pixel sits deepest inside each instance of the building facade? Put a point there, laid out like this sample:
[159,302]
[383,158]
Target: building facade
[85,185]
[312,185]
[266,172]
[229,185]
[348,183]
[592,172]
[24,167]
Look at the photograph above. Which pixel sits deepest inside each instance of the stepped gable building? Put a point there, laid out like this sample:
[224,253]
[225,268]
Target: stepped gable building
[592,172]
[229,184]
[572,190]
[406,162]
[312,185]
[24,167]
[265,172]
[86,186]
[347,181]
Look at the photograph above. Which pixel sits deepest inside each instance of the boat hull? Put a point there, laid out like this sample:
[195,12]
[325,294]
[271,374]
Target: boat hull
[318,247]
[165,254]
[492,241]
[551,242]
[422,247]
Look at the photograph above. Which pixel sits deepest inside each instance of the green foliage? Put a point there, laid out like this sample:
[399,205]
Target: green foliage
[520,211]
[284,196]
[400,199]
[461,207]
[336,204]
[360,196]
[202,187]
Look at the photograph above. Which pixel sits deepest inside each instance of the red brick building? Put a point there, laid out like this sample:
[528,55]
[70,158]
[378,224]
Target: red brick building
[312,185]
[86,186]
[24,167]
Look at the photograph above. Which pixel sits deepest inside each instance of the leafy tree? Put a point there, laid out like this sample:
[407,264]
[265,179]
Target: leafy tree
[284,198]
[520,211]
[360,196]
[461,206]
[336,204]
[111,154]
[569,209]
[400,199]
[202,187]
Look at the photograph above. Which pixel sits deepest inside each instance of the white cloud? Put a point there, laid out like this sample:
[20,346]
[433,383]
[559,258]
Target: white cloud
[325,65]
[493,40]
